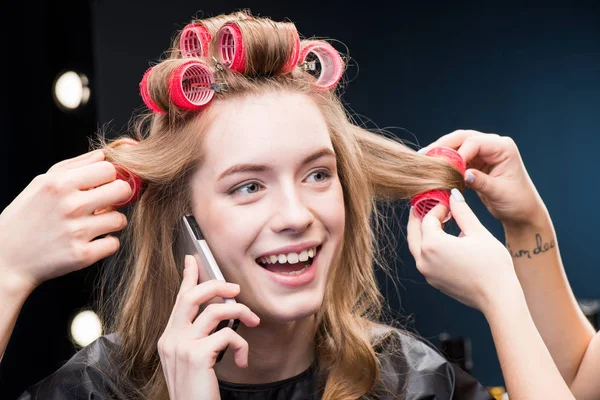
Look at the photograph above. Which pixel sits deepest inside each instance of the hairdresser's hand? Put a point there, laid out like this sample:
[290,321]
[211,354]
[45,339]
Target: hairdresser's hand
[472,267]
[188,351]
[496,172]
[48,229]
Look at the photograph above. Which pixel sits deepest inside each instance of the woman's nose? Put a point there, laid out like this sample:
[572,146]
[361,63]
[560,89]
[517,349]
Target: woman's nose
[291,214]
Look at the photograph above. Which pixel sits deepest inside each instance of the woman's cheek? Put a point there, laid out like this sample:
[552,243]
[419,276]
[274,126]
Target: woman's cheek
[332,210]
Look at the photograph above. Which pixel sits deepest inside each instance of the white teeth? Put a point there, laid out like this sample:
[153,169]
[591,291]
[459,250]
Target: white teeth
[303,256]
[294,272]
[291,258]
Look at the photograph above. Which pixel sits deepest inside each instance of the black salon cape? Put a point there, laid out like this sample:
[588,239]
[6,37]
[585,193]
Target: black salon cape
[414,371]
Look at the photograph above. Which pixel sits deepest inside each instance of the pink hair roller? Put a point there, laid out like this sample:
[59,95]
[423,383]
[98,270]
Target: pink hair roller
[191,85]
[146,94]
[134,181]
[231,47]
[194,41]
[293,60]
[425,202]
[332,66]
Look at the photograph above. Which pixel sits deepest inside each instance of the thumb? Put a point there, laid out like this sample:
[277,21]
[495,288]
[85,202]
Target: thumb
[466,220]
[478,181]
[432,221]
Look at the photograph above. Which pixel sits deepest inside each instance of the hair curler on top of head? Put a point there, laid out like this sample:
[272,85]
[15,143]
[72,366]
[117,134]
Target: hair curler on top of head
[254,48]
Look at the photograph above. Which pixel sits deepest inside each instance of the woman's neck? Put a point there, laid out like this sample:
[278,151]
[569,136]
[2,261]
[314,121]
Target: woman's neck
[276,352]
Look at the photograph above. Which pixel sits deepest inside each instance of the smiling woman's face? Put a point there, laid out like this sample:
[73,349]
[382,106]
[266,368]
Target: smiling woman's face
[269,202]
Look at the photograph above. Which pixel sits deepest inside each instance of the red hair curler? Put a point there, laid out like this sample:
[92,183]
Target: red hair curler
[194,41]
[293,60]
[425,202]
[231,47]
[146,94]
[192,85]
[134,181]
[332,66]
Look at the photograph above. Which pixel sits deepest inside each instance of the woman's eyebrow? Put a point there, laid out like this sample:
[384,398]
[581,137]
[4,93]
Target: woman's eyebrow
[262,168]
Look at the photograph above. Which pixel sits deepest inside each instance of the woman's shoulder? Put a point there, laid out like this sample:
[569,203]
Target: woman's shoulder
[83,376]
[410,365]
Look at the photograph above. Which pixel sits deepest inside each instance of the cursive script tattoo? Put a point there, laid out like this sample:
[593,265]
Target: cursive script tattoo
[540,247]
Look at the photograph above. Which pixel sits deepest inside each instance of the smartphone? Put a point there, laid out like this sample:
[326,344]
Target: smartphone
[192,242]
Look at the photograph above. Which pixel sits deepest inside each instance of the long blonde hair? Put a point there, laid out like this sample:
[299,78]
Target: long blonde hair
[138,296]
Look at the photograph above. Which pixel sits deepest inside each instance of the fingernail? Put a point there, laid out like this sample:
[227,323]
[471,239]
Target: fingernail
[233,285]
[470,178]
[423,150]
[188,261]
[457,195]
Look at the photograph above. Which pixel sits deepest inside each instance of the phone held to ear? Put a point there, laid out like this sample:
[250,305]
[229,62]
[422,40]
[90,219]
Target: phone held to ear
[193,243]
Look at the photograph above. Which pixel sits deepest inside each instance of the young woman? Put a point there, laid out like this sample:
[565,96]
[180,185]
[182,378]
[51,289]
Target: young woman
[283,186]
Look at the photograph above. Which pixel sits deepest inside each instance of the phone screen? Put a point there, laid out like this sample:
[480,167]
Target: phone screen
[192,242]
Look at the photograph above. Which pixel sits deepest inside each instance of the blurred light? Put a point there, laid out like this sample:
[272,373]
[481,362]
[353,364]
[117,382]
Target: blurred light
[71,90]
[85,328]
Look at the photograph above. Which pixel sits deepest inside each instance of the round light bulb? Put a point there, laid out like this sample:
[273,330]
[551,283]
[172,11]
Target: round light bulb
[71,90]
[85,328]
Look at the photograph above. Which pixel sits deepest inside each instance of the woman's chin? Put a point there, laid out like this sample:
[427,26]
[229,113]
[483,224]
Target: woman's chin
[291,309]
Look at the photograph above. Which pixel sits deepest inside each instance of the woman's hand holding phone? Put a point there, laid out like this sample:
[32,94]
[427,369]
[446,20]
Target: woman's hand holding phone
[187,349]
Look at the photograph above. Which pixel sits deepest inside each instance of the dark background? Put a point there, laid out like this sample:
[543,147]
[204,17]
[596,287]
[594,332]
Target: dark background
[525,71]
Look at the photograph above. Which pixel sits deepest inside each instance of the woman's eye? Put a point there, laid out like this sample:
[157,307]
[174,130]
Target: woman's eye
[249,188]
[320,175]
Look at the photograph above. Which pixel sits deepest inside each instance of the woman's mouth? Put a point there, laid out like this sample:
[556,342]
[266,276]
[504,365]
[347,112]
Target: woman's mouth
[291,269]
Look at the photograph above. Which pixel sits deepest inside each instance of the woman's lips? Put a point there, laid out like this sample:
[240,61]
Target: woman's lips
[296,280]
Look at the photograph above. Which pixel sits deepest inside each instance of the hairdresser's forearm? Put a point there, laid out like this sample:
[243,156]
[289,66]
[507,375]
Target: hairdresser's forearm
[556,314]
[13,293]
[527,366]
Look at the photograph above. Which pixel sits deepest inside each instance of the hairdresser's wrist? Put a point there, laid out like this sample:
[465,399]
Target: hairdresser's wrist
[506,289]
[12,285]
[537,221]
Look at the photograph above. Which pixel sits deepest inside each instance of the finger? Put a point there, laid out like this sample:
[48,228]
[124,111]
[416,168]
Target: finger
[106,195]
[93,175]
[455,139]
[98,249]
[224,338]
[189,301]
[190,274]
[76,162]
[478,181]
[189,281]
[413,234]
[213,314]
[104,223]
[491,149]
[433,222]
[105,210]
[466,220]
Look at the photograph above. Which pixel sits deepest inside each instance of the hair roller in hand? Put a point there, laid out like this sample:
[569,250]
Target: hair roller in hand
[145,93]
[194,41]
[425,202]
[231,47]
[293,60]
[192,85]
[330,67]
[134,181]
